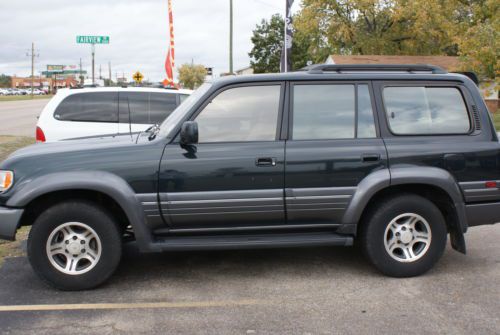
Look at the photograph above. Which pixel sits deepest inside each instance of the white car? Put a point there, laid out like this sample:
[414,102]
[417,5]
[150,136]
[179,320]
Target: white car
[85,112]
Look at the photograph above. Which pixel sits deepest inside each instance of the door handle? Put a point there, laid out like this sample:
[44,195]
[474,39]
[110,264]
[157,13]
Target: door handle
[265,161]
[370,157]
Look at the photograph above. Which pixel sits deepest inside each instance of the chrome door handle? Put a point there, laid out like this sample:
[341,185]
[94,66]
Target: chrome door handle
[265,161]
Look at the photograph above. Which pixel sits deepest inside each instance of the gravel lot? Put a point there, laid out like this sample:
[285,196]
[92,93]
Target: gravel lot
[293,291]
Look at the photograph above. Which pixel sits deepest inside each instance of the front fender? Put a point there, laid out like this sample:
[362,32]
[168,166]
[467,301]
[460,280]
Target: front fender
[111,185]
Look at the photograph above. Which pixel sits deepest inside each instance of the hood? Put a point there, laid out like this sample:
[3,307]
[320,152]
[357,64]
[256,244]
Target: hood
[72,145]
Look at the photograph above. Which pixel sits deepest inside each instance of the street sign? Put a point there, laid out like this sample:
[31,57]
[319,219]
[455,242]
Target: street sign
[92,39]
[138,77]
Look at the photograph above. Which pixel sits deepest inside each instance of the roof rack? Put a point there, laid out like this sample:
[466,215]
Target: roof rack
[339,68]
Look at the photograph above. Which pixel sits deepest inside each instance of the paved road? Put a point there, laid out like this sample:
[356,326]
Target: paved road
[19,118]
[294,291]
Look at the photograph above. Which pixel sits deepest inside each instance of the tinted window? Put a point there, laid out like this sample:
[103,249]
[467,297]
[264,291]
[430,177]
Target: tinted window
[91,107]
[160,106]
[323,112]
[145,107]
[426,110]
[241,114]
[366,123]
[183,97]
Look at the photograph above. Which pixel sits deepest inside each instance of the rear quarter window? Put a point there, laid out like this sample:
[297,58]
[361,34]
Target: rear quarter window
[420,110]
[89,107]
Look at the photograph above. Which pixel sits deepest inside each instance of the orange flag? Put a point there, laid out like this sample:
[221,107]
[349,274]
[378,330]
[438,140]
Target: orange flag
[170,61]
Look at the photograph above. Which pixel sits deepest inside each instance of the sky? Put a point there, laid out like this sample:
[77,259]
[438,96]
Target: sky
[138,31]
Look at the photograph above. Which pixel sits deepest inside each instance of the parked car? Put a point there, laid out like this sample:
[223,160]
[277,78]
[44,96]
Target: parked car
[83,112]
[3,91]
[393,158]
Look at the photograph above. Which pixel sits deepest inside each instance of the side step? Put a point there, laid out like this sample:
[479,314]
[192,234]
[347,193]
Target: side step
[251,241]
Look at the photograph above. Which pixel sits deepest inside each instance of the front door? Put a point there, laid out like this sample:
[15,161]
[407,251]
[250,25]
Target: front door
[332,146]
[234,176]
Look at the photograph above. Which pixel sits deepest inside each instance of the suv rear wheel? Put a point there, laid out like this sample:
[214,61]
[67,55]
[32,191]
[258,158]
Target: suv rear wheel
[404,236]
[74,245]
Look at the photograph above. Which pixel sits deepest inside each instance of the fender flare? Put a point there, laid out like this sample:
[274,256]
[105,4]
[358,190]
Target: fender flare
[104,182]
[409,174]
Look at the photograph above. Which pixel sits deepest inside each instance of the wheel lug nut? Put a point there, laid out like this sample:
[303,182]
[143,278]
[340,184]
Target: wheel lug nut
[83,250]
[74,237]
[75,256]
[67,242]
[82,242]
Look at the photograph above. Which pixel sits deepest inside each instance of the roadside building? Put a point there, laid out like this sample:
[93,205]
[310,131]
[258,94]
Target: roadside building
[44,83]
[451,64]
[245,70]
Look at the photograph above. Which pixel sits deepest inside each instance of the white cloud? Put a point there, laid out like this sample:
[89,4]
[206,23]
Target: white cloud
[138,33]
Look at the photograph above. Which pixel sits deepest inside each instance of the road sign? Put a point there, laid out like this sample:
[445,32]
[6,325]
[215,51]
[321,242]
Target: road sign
[92,39]
[138,77]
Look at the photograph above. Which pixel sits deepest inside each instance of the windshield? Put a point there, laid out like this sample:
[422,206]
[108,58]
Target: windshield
[178,114]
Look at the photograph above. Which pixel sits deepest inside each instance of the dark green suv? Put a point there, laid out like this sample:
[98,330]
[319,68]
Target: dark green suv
[393,158]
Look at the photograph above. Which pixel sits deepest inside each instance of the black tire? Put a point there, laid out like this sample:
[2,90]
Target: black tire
[89,214]
[373,234]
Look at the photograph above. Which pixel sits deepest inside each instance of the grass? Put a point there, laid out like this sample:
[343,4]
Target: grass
[23,97]
[9,144]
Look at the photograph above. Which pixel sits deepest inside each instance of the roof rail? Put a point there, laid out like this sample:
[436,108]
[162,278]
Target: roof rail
[339,68]
[472,76]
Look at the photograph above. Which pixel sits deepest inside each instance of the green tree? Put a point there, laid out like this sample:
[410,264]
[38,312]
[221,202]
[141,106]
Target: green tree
[479,40]
[391,27]
[191,75]
[267,40]
[5,81]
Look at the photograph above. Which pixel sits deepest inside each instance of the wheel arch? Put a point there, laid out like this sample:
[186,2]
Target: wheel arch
[435,184]
[90,185]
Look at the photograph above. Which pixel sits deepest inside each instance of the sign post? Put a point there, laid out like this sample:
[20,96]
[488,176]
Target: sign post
[93,40]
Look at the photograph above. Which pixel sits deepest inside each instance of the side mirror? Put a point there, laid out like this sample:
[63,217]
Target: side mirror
[189,133]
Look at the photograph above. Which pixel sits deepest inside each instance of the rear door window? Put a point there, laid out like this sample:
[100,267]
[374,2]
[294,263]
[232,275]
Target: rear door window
[420,110]
[89,107]
[332,111]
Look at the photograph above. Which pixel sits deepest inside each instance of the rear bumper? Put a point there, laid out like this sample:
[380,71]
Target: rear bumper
[9,222]
[483,214]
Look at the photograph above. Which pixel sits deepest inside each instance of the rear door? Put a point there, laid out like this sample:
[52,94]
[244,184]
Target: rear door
[333,144]
[85,114]
[146,109]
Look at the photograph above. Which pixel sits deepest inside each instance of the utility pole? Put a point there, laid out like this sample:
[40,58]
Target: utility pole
[93,64]
[109,68]
[100,71]
[81,73]
[32,55]
[231,36]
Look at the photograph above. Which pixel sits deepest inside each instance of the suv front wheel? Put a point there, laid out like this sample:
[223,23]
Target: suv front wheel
[74,245]
[404,236]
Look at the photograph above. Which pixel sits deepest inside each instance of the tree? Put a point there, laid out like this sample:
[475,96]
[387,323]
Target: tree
[267,39]
[479,42]
[5,81]
[378,26]
[191,76]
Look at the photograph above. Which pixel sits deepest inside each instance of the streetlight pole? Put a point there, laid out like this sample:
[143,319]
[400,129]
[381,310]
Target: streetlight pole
[231,36]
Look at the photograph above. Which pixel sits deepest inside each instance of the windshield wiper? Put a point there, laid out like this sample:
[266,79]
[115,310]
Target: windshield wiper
[153,131]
